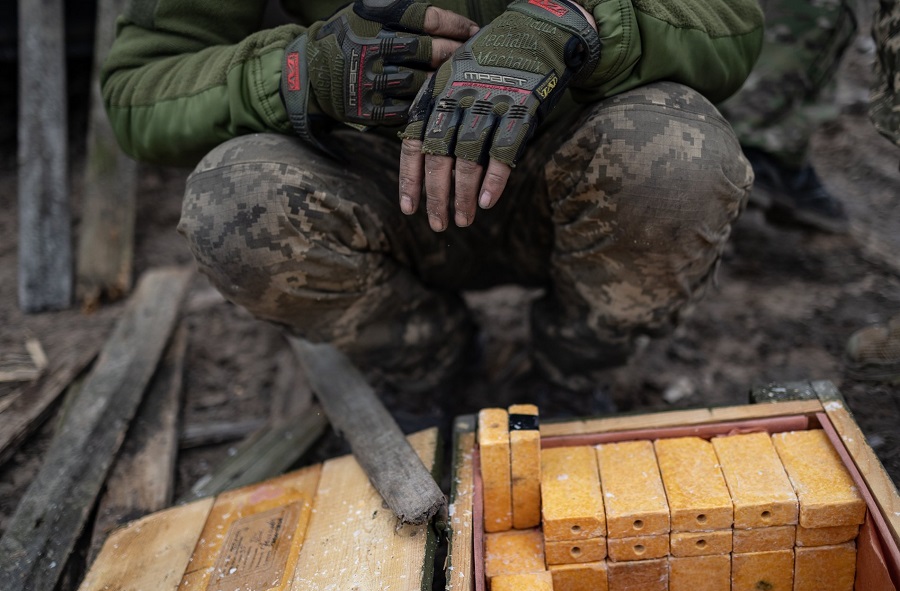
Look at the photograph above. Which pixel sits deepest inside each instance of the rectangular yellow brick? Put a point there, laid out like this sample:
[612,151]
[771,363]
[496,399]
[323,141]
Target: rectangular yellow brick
[514,551]
[760,490]
[639,575]
[633,493]
[825,568]
[763,539]
[541,581]
[493,446]
[772,571]
[571,498]
[591,576]
[700,543]
[826,536]
[828,497]
[574,551]
[696,490]
[525,465]
[700,573]
[638,548]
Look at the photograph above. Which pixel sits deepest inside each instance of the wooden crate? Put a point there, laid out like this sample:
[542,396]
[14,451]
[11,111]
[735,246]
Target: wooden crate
[878,558]
[321,527]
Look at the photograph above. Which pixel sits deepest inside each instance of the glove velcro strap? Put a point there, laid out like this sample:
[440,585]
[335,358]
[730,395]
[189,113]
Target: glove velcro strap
[567,16]
[400,15]
[295,89]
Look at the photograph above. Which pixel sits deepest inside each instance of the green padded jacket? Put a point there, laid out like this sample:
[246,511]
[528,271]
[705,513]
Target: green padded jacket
[185,75]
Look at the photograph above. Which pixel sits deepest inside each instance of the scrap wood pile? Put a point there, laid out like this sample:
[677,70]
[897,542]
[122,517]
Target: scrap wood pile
[113,453]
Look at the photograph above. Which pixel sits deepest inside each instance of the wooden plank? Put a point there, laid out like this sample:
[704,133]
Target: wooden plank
[45,252]
[218,432]
[269,453]
[142,480]
[375,438]
[879,483]
[106,231]
[359,544]
[30,406]
[459,570]
[151,553]
[764,411]
[50,517]
[253,535]
[625,423]
[677,418]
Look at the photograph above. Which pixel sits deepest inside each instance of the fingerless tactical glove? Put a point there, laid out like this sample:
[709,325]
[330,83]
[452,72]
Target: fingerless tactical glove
[348,68]
[492,94]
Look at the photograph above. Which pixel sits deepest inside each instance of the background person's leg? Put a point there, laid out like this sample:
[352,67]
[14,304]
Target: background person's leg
[787,97]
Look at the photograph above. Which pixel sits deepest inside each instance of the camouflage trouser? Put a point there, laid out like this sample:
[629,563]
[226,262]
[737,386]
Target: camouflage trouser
[621,212]
[885,105]
[790,91]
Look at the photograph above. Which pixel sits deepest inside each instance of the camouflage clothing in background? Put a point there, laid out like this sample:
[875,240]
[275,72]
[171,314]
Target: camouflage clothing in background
[621,213]
[885,101]
[790,91]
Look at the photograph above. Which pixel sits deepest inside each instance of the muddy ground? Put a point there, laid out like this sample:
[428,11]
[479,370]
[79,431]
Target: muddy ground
[786,301]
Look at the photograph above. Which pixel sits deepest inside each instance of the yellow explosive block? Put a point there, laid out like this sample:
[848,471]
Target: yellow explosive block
[638,548]
[639,575]
[772,571]
[525,462]
[826,536]
[825,568]
[633,493]
[696,490]
[493,445]
[828,497]
[575,551]
[512,552]
[759,487]
[541,581]
[571,499]
[763,539]
[591,576]
[700,543]
[700,573]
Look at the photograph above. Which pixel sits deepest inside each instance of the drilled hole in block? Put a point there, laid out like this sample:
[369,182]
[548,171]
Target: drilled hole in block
[576,529]
[639,549]
[638,524]
[766,515]
[701,518]
[575,551]
[701,543]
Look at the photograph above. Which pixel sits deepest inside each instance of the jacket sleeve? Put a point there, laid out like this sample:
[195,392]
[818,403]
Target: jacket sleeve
[182,77]
[709,45]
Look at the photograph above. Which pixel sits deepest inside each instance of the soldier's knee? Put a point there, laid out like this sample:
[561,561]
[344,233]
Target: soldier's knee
[664,154]
[255,213]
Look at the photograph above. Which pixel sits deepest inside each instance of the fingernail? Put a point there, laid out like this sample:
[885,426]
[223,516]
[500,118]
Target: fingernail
[485,200]
[436,223]
[462,220]
[473,29]
[406,205]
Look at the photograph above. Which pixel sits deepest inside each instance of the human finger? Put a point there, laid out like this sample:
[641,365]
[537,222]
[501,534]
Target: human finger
[412,167]
[442,50]
[438,173]
[495,178]
[444,23]
[468,180]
